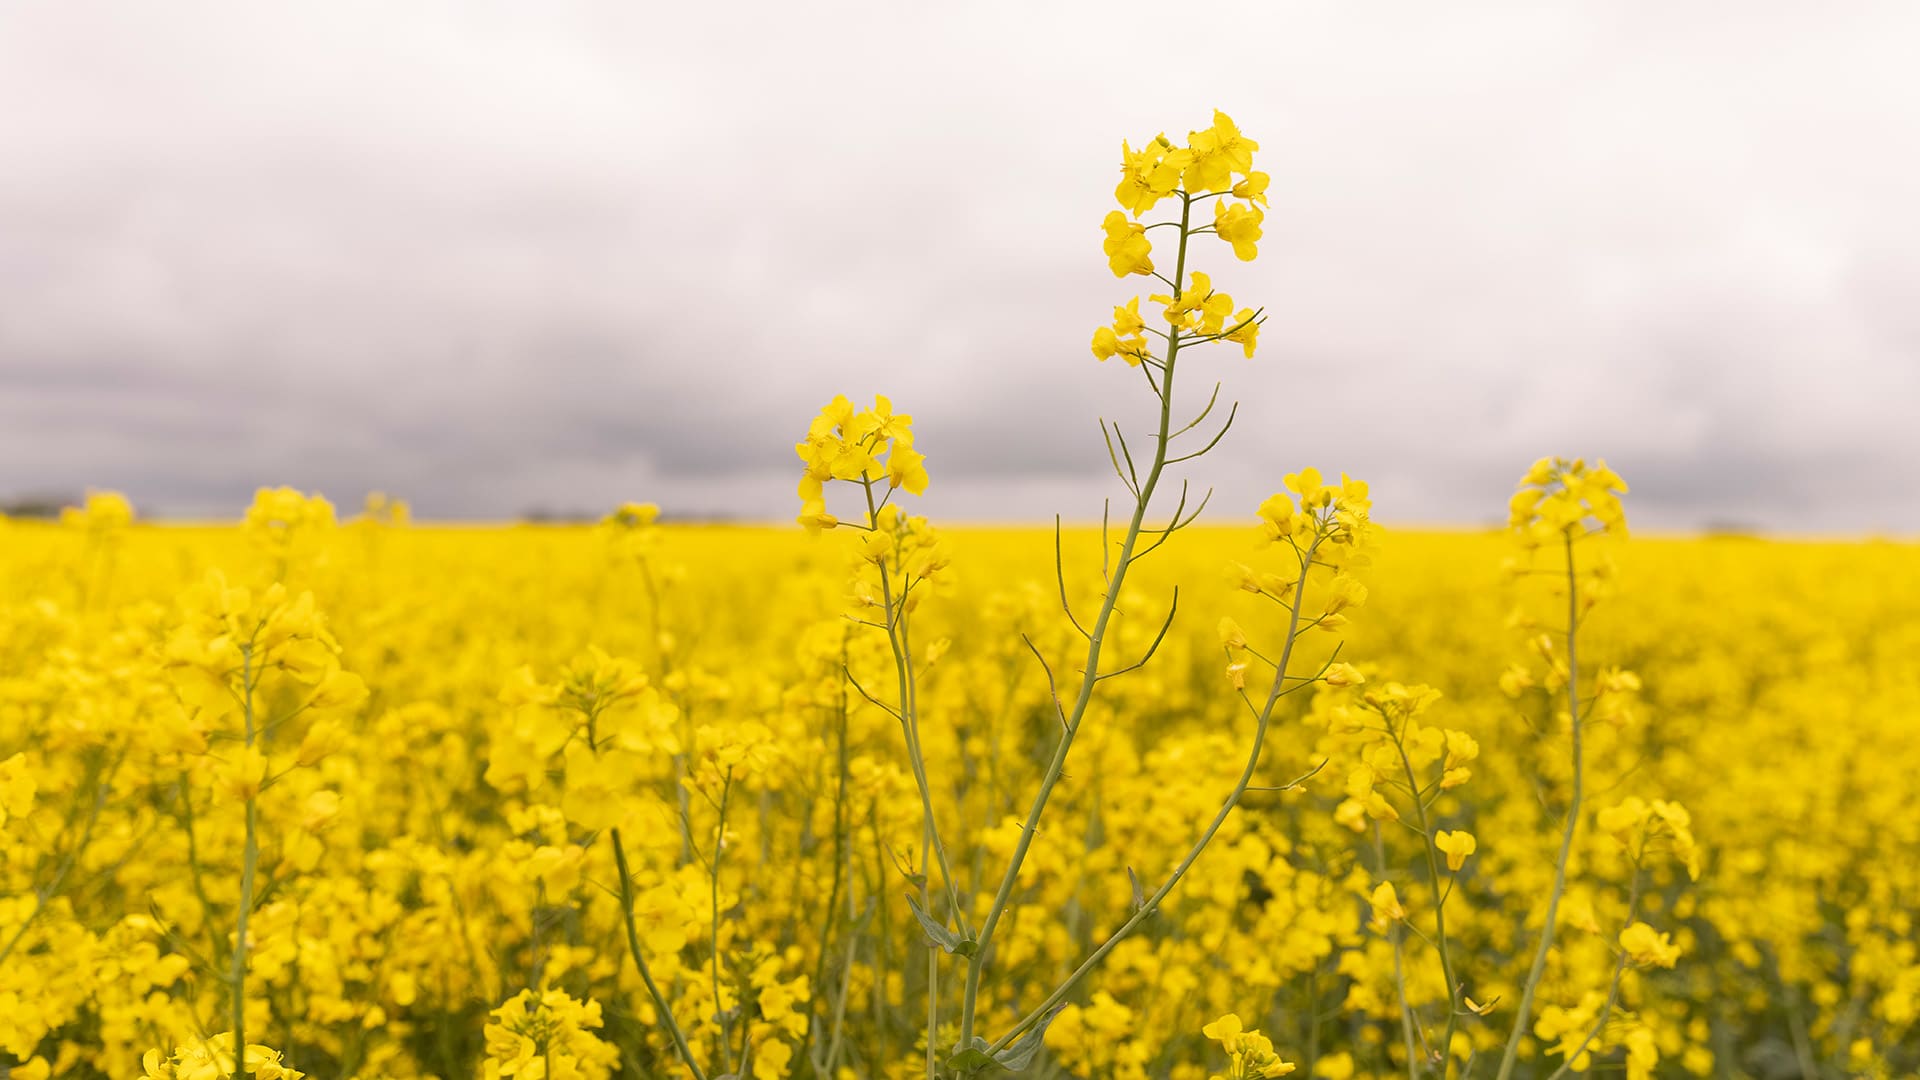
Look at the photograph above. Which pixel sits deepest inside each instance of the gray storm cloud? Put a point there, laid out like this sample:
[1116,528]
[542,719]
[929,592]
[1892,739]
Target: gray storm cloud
[496,257]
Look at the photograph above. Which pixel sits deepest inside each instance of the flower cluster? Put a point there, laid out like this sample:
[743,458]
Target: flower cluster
[1250,1054]
[547,1036]
[864,446]
[212,1058]
[632,529]
[103,513]
[1216,164]
[282,519]
[1640,827]
[380,508]
[1561,498]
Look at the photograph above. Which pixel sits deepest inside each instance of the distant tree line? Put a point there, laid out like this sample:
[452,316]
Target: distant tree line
[40,506]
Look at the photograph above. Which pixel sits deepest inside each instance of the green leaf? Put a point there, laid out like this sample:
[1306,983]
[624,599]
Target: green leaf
[1018,1054]
[971,1059]
[937,932]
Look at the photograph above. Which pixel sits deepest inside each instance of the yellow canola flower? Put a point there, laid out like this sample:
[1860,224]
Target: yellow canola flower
[864,446]
[17,787]
[1126,338]
[1461,748]
[1387,908]
[1239,226]
[380,508]
[1643,1053]
[282,519]
[1149,174]
[1340,674]
[212,1059]
[1128,249]
[103,513]
[242,774]
[1245,331]
[1253,188]
[1218,154]
[1648,947]
[547,1035]
[1561,497]
[1276,513]
[1199,309]
[1250,1054]
[1218,160]
[1456,846]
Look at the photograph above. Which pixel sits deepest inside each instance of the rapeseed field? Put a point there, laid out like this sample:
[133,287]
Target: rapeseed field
[335,795]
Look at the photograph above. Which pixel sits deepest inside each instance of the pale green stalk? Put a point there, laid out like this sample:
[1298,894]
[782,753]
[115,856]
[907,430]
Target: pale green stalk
[933,990]
[250,859]
[655,627]
[1090,674]
[1399,937]
[908,714]
[840,828]
[897,641]
[102,787]
[1613,986]
[1525,1012]
[640,961]
[1152,903]
[1395,936]
[1439,908]
[713,893]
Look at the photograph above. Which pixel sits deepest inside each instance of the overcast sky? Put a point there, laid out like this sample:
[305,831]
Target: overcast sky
[496,257]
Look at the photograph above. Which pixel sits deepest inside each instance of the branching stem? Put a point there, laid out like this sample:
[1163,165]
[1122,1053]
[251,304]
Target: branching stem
[1090,671]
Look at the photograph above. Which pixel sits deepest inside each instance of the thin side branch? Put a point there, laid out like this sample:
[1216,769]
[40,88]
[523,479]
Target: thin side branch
[1213,442]
[1126,475]
[1060,576]
[1203,415]
[1153,648]
[1053,691]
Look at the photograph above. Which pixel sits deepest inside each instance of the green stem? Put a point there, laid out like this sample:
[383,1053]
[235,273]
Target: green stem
[1152,903]
[193,861]
[250,859]
[1439,909]
[1613,987]
[933,999]
[1313,1020]
[1406,1007]
[1521,1018]
[640,961]
[1090,674]
[909,716]
[537,962]
[840,827]
[846,991]
[896,620]
[102,788]
[1396,936]
[719,842]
